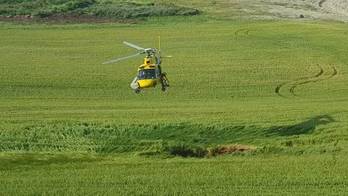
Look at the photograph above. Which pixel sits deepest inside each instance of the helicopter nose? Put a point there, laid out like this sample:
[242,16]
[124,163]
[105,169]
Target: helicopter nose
[147,83]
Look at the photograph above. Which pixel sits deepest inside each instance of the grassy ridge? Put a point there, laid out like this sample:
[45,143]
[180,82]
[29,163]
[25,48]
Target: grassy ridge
[163,139]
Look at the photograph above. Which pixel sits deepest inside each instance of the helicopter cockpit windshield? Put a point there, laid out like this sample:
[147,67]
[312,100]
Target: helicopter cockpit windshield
[147,74]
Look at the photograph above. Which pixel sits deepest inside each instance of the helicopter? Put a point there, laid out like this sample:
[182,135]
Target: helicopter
[150,72]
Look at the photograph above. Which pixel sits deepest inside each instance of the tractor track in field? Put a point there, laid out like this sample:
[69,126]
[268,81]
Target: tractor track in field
[280,86]
[306,80]
[241,32]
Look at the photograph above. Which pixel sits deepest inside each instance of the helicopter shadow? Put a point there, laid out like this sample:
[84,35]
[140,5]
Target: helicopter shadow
[305,127]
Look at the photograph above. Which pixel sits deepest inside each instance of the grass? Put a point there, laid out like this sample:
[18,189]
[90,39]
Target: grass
[70,125]
[81,175]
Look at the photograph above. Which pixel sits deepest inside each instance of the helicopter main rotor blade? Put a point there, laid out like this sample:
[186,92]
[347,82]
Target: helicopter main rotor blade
[169,56]
[133,46]
[121,59]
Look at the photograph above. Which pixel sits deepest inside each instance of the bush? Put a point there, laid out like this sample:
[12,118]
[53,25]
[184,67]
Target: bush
[43,8]
[184,150]
[42,13]
[117,10]
[78,4]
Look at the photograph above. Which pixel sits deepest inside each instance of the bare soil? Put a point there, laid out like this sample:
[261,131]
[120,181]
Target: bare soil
[230,149]
[278,9]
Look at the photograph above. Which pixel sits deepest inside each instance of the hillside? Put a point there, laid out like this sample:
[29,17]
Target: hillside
[117,9]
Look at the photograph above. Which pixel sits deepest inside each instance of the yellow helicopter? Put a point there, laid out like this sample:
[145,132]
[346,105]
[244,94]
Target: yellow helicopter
[150,72]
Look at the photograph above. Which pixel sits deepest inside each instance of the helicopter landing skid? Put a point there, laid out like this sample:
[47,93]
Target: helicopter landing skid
[134,84]
[164,82]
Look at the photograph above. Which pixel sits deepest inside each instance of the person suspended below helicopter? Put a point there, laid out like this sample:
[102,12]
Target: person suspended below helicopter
[150,72]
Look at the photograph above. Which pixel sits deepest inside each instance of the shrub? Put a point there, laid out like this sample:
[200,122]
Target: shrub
[117,10]
[184,150]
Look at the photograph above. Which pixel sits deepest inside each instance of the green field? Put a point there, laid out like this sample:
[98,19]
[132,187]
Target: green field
[70,125]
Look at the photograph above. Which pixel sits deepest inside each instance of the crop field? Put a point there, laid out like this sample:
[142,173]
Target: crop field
[254,107]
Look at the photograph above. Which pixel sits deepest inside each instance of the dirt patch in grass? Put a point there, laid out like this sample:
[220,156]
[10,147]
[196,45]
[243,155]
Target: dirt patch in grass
[280,9]
[229,149]
[200,152]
